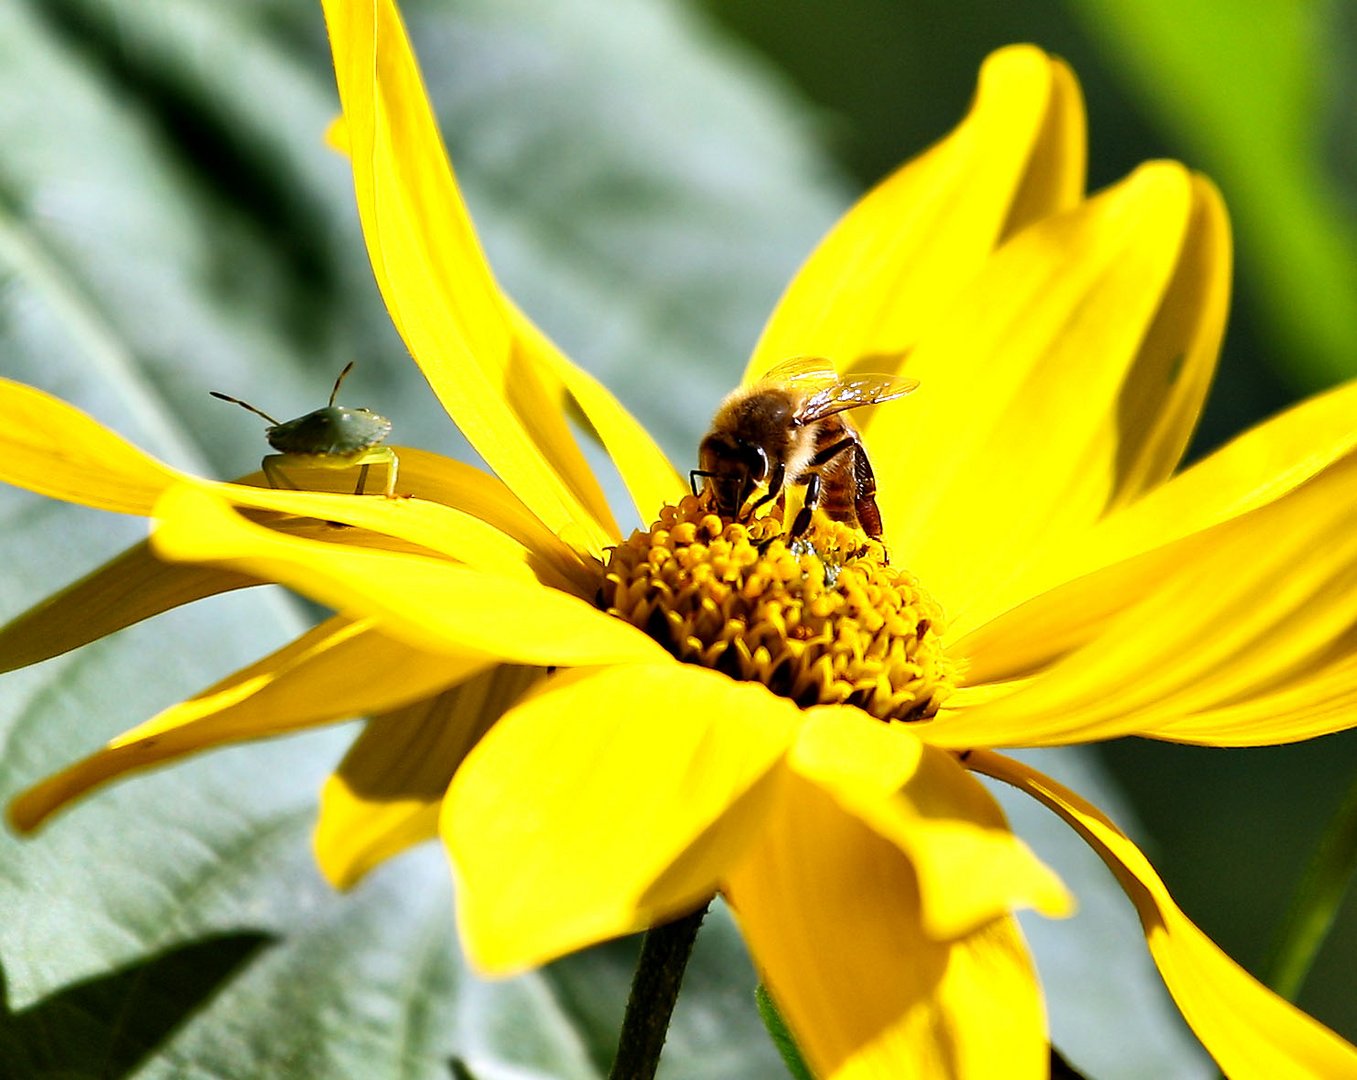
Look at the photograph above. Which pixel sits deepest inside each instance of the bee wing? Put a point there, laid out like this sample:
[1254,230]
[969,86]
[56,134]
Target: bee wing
[803,372]
[853,393]
[827,393]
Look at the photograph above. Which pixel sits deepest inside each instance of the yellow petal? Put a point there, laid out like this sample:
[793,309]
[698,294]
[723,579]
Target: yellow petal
[911,243]
[1014,435]
[433,604]
[128,588]
[1056,167]
[434,478]
[830,910]
[1167,384]
[647,473]
[438,479]
[385,795]
[1185,640]
[1249,1030]
[1153,416]
[336,136]
[970,866]
[1261,465]
[337,670]
[436,282]
[55,449]
[137,585]
[607,802]
[1324,702]
[428,525]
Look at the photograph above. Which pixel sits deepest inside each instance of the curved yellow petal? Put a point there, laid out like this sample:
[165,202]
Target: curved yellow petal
[1016,434]
[335,671]
[1321,703]
[1154,416]
[437,284]
[438,479]
[431,526]
[474,491]
[1253,469]
[913,241]
[607,802]
[1055,172]
[128,588]
[1224,495]
[1249,1030]
[385,795]
[1185,640]
[137,585]
[54,449]
[970,866]
[831,912]
[1166,386]
[434,604]
[650,478]
[336,136]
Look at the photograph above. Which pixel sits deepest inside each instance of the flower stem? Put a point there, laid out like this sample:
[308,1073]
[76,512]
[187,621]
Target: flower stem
[1316,901]
[654,988]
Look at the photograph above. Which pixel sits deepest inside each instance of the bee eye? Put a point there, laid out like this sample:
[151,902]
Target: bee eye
[758,464]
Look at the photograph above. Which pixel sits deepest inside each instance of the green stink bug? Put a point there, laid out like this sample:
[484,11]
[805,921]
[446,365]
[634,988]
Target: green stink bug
[335,437]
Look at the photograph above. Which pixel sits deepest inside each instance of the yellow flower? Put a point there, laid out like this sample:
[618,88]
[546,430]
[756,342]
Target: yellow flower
[1051,580]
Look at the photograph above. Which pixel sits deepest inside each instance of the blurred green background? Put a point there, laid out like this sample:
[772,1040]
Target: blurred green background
[645,176]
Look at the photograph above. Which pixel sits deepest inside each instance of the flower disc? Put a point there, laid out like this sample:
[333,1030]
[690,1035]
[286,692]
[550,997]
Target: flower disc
[822,619]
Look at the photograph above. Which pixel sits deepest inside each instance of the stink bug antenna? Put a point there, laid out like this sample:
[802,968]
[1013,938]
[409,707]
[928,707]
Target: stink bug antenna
[335,392]
[246,405]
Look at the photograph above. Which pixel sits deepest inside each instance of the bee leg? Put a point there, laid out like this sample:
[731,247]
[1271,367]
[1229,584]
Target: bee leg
[775,482]
[829,453]
[362,479]
[812,499]
[864,502]
[808,505]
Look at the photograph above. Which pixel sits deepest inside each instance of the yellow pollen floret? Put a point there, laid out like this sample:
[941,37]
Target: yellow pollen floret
[821,619]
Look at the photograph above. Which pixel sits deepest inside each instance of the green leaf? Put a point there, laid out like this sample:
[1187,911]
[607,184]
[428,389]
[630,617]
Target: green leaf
[1255,92]
[1315,905]
[782,1038]
[170,224]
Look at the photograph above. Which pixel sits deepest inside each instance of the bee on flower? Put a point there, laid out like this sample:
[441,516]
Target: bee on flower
[744,697]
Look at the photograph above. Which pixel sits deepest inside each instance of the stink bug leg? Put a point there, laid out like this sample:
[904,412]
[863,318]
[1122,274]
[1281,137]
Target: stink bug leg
[273,472]
[335,437]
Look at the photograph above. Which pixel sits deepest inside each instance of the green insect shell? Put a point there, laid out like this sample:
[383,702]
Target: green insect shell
[333,437]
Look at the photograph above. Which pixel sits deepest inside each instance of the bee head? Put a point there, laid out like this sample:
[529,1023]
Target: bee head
[733,467]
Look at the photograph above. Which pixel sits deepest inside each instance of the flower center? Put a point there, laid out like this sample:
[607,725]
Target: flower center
[822,619]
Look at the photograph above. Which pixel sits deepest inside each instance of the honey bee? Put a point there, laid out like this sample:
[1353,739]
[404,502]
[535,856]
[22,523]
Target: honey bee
[790,428]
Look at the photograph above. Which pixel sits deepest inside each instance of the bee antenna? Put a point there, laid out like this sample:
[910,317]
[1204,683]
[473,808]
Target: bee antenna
[335,392]
[244,405]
